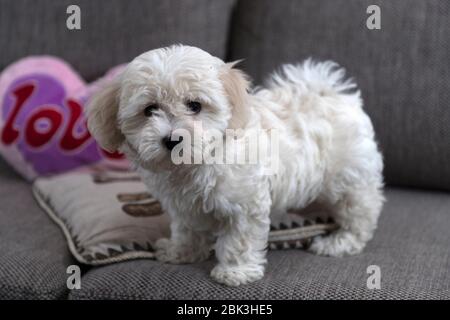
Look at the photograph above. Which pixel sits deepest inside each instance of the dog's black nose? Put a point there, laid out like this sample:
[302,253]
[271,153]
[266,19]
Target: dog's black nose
[169,143]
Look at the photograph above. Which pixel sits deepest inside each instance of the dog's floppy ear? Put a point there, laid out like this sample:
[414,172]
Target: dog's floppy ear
[236,85]
[102,117]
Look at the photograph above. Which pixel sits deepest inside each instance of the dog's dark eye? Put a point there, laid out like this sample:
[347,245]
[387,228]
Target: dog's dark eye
[194,106]
[148,111]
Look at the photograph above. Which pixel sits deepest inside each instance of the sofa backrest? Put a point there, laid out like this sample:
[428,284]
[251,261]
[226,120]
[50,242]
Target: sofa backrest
[403,69]
[112,31]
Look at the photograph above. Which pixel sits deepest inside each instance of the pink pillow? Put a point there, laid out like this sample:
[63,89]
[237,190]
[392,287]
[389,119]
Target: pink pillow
[42,126]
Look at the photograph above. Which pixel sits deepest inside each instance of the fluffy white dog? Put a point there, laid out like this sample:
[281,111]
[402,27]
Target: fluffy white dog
[326,152]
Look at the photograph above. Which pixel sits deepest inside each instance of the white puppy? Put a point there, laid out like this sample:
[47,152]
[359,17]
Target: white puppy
[326,153]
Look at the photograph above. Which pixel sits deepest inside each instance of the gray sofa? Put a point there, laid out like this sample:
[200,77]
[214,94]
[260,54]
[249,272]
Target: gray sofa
[404,74]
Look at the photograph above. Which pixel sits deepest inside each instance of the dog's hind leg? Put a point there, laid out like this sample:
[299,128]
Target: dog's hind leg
[357,214]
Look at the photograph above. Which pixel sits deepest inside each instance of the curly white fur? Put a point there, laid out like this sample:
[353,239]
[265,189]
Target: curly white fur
[327,154]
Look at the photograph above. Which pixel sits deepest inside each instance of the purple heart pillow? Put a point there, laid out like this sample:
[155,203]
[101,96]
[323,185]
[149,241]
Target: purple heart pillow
[42,125]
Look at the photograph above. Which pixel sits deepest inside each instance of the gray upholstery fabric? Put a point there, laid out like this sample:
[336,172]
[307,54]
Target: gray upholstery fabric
[112,31]
[402,69]
[33,251]
[410,247]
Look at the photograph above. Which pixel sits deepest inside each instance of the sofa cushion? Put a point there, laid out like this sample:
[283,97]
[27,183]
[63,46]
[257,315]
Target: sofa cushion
[402,69]
[112,32]
[410,247]
[33,254]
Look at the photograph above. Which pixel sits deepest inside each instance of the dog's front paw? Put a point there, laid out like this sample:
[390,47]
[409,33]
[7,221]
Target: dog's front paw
[170,252]
[237,275]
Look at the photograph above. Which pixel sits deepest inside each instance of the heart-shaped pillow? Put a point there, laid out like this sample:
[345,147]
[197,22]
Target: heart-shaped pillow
[42,126]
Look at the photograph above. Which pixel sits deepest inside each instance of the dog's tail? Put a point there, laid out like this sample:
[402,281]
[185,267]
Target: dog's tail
[324,78]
